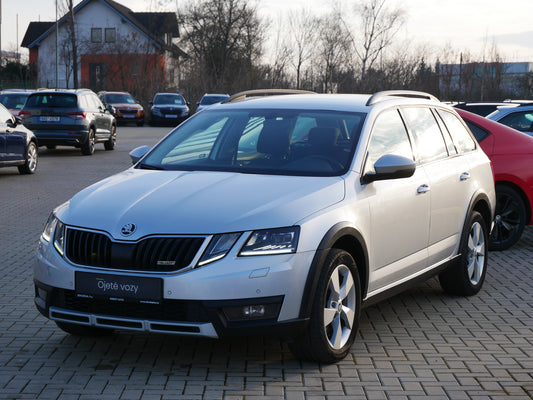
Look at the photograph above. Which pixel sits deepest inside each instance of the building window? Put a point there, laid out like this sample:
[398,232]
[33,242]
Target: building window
[110,35]
[96,35]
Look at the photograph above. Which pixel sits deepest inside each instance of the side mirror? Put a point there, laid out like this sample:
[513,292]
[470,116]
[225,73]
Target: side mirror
[390,166]
[18,120]
[138,153]
[151,103]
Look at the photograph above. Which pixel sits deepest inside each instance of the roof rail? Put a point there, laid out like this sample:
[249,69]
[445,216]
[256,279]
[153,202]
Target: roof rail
[399,93]
[262,93]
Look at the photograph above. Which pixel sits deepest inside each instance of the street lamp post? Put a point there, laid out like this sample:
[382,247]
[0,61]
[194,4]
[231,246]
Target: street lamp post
[57,55]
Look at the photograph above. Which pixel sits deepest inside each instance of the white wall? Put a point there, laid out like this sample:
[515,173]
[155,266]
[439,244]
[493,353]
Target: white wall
[96,14]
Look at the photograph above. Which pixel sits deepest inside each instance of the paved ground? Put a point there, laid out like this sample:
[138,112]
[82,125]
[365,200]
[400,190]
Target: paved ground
[421,344]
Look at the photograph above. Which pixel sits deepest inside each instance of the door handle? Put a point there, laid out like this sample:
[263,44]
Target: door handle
[423,189]
[465,176]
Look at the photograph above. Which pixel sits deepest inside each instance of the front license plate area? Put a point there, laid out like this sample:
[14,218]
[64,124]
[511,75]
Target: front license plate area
[118,287]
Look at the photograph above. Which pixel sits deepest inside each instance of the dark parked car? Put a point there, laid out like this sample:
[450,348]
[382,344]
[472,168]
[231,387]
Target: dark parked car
[482,108]
[124,107]
[70,118]
[18,145]
[511,153]
[14,99]
[169,108]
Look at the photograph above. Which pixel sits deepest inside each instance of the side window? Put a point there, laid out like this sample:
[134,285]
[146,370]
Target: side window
[521,121]
[110,35]
[388,136]
[84,102]
[428,136]
[460,135]
[97,102]
[96,35]
[479,133]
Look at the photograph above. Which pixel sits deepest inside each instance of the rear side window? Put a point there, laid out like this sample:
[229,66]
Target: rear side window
[428,136]
[460,135]
[59,100]
[479,133]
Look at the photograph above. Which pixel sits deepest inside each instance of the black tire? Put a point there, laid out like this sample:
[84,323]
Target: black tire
[87,148]
[32,158]
[110,143]
[334,320]
[509,220]
[82,330]
[140,123]
[466,276]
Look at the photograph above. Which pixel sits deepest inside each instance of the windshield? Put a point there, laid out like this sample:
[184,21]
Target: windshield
[284,142]
[169,99]
[208,100]
[14,100]
[119,98]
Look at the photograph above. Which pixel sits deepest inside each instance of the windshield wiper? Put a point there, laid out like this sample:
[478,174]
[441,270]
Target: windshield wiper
[147,166]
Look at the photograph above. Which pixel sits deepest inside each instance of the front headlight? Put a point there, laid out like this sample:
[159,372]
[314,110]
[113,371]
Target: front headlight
[156,111]
[271,241]
[54,231]
[49,227]
[218,247]
[59,237]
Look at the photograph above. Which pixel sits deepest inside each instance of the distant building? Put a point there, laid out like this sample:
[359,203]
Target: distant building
[118,49]
[485,81]
[9,56]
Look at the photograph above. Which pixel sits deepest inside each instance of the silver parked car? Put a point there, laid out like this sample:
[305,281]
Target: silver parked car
[278,215]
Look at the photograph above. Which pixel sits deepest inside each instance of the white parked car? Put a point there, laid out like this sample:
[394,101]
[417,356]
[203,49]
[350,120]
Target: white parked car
[278,215]
[519,117]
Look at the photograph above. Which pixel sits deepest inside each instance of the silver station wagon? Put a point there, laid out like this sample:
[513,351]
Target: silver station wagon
[274,215]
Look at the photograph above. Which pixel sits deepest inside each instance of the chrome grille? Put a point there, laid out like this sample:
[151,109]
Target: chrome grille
[155,254]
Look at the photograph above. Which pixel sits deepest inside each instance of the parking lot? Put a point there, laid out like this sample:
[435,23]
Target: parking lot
[421,344]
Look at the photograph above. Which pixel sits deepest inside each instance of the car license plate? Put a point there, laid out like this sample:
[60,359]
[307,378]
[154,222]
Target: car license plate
[129,116]
[171,116]
[47,118]
[118,287]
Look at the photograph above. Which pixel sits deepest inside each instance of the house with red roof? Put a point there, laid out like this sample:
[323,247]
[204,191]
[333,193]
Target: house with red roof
[118,49]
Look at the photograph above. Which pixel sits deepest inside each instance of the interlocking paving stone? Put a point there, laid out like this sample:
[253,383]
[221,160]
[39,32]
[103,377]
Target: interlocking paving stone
[421,344]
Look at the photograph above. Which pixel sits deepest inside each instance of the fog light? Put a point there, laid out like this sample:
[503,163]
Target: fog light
[41,293]
[252,311]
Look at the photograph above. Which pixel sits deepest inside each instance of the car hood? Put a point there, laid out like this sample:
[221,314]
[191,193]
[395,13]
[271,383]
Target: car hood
[177,106]
[198,202]
[126,105]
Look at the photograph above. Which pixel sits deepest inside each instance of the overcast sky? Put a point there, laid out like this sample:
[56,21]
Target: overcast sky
[465,24]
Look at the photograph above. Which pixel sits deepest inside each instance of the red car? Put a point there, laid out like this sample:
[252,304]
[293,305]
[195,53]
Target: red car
[511,153]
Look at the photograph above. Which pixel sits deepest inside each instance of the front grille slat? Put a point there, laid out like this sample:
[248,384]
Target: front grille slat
[166,310]
[94,249]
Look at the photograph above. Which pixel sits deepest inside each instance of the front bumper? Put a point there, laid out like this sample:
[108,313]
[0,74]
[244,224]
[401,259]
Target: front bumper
[182,317]
[195,302]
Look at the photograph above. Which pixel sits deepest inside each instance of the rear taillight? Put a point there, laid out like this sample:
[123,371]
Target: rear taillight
[22,112]
[78,114]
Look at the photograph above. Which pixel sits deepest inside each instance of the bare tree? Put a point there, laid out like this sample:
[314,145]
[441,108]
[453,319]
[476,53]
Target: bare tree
[332,50]
[72,33]
[304,31]
[379,24]
[219,34]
